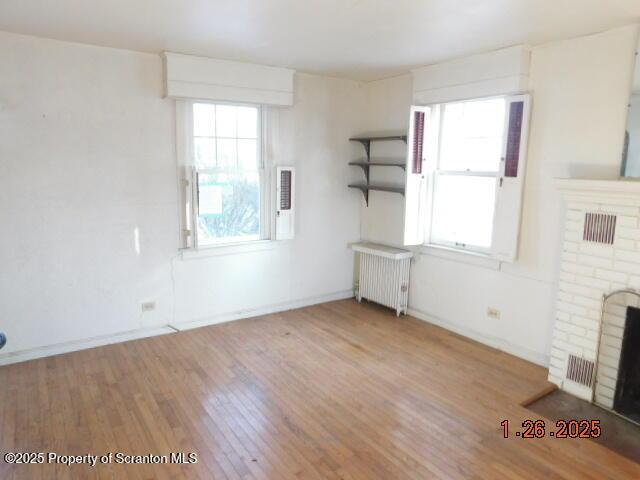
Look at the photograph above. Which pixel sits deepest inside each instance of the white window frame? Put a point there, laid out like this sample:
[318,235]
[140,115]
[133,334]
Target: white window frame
[188,172]
[430,240]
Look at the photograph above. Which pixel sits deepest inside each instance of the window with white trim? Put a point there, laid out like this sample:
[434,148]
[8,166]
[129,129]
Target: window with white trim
[465,175]
[228,174]
[464,193]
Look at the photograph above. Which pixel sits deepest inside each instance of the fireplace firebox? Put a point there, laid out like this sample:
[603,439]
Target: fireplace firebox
[627,396]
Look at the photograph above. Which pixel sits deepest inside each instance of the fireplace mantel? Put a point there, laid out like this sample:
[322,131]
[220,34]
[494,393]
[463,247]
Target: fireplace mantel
[622,190]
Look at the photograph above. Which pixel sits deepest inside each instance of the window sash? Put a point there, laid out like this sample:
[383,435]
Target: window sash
[431,238]
[265,227]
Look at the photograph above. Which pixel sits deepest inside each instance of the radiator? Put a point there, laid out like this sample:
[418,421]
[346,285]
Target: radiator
[384,275]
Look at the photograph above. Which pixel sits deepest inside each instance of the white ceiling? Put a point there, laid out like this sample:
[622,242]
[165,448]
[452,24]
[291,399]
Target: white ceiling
[359,39]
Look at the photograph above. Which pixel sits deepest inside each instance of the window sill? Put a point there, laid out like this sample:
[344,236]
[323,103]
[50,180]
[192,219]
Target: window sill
[458,255]
[229,249]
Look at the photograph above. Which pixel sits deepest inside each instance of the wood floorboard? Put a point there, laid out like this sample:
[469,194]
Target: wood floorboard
[334,391]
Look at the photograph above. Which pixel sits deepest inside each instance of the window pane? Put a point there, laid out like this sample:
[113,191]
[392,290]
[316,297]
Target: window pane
[227,153]
[463,210]
[226,120]
[472,135]
[247,155]
[247,122]
[204,152]
[204,120]
[229,207]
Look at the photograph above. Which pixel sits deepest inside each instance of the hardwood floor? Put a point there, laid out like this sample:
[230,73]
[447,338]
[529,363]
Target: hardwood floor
[336,391]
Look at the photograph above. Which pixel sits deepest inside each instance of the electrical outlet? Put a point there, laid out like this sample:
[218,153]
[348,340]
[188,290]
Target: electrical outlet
[493,313]
[148,306]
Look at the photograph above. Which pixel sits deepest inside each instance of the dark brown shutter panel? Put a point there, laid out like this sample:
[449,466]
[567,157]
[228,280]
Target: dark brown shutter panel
[418,140]
[285,190]
[514,137]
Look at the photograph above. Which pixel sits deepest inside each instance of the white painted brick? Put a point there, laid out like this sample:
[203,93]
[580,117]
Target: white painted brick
[583,206]
[612,330]
[585,323]
[567,277]
[592,335]
[565,297]
[567,347]
[606,391]
[612,344]
[608,371]
[610,364]
[618,286]
[557,370]
[574,330]
[593,315]
[616,309]
[628,233]
[575,215]
[605,251]
[555,379]
[626,266]
[570,247]
[626,221]
[620,210]
[591,281]
[563,316]
[586,302]
[556,362]
[624,243]
[573,235]
[581,341]
[569,257]
[607,382]
[574,226]
[576,289]
[605,402]
[572,267]
[628,256]
[611,275]
[634,282]
[590,260]
[571,308]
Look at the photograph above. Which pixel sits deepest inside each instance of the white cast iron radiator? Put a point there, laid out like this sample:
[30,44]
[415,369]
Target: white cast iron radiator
[384,275]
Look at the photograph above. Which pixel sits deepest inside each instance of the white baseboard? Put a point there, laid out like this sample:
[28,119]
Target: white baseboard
[74,346]
[265,310]
[57,349]
[533,356]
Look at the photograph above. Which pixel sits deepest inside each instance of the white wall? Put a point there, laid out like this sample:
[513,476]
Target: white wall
[317,262]
[580,91]
[87,159]
[633,127]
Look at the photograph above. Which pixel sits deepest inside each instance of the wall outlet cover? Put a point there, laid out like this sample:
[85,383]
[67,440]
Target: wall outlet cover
[148,306]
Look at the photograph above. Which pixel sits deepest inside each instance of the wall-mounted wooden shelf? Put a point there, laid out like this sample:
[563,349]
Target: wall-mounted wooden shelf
[365,188]
[368,162]
[379,162]
[366,141]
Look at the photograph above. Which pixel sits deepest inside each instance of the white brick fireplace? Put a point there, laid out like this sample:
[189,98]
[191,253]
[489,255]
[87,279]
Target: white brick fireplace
[600,254]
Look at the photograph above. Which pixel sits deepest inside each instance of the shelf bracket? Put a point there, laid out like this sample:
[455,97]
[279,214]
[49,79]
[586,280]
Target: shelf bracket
[366,170]
[365,193]
[366,143]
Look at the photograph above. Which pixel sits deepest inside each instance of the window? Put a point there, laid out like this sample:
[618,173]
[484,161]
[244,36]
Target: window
[465,175]
[464,193]
[227,175]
